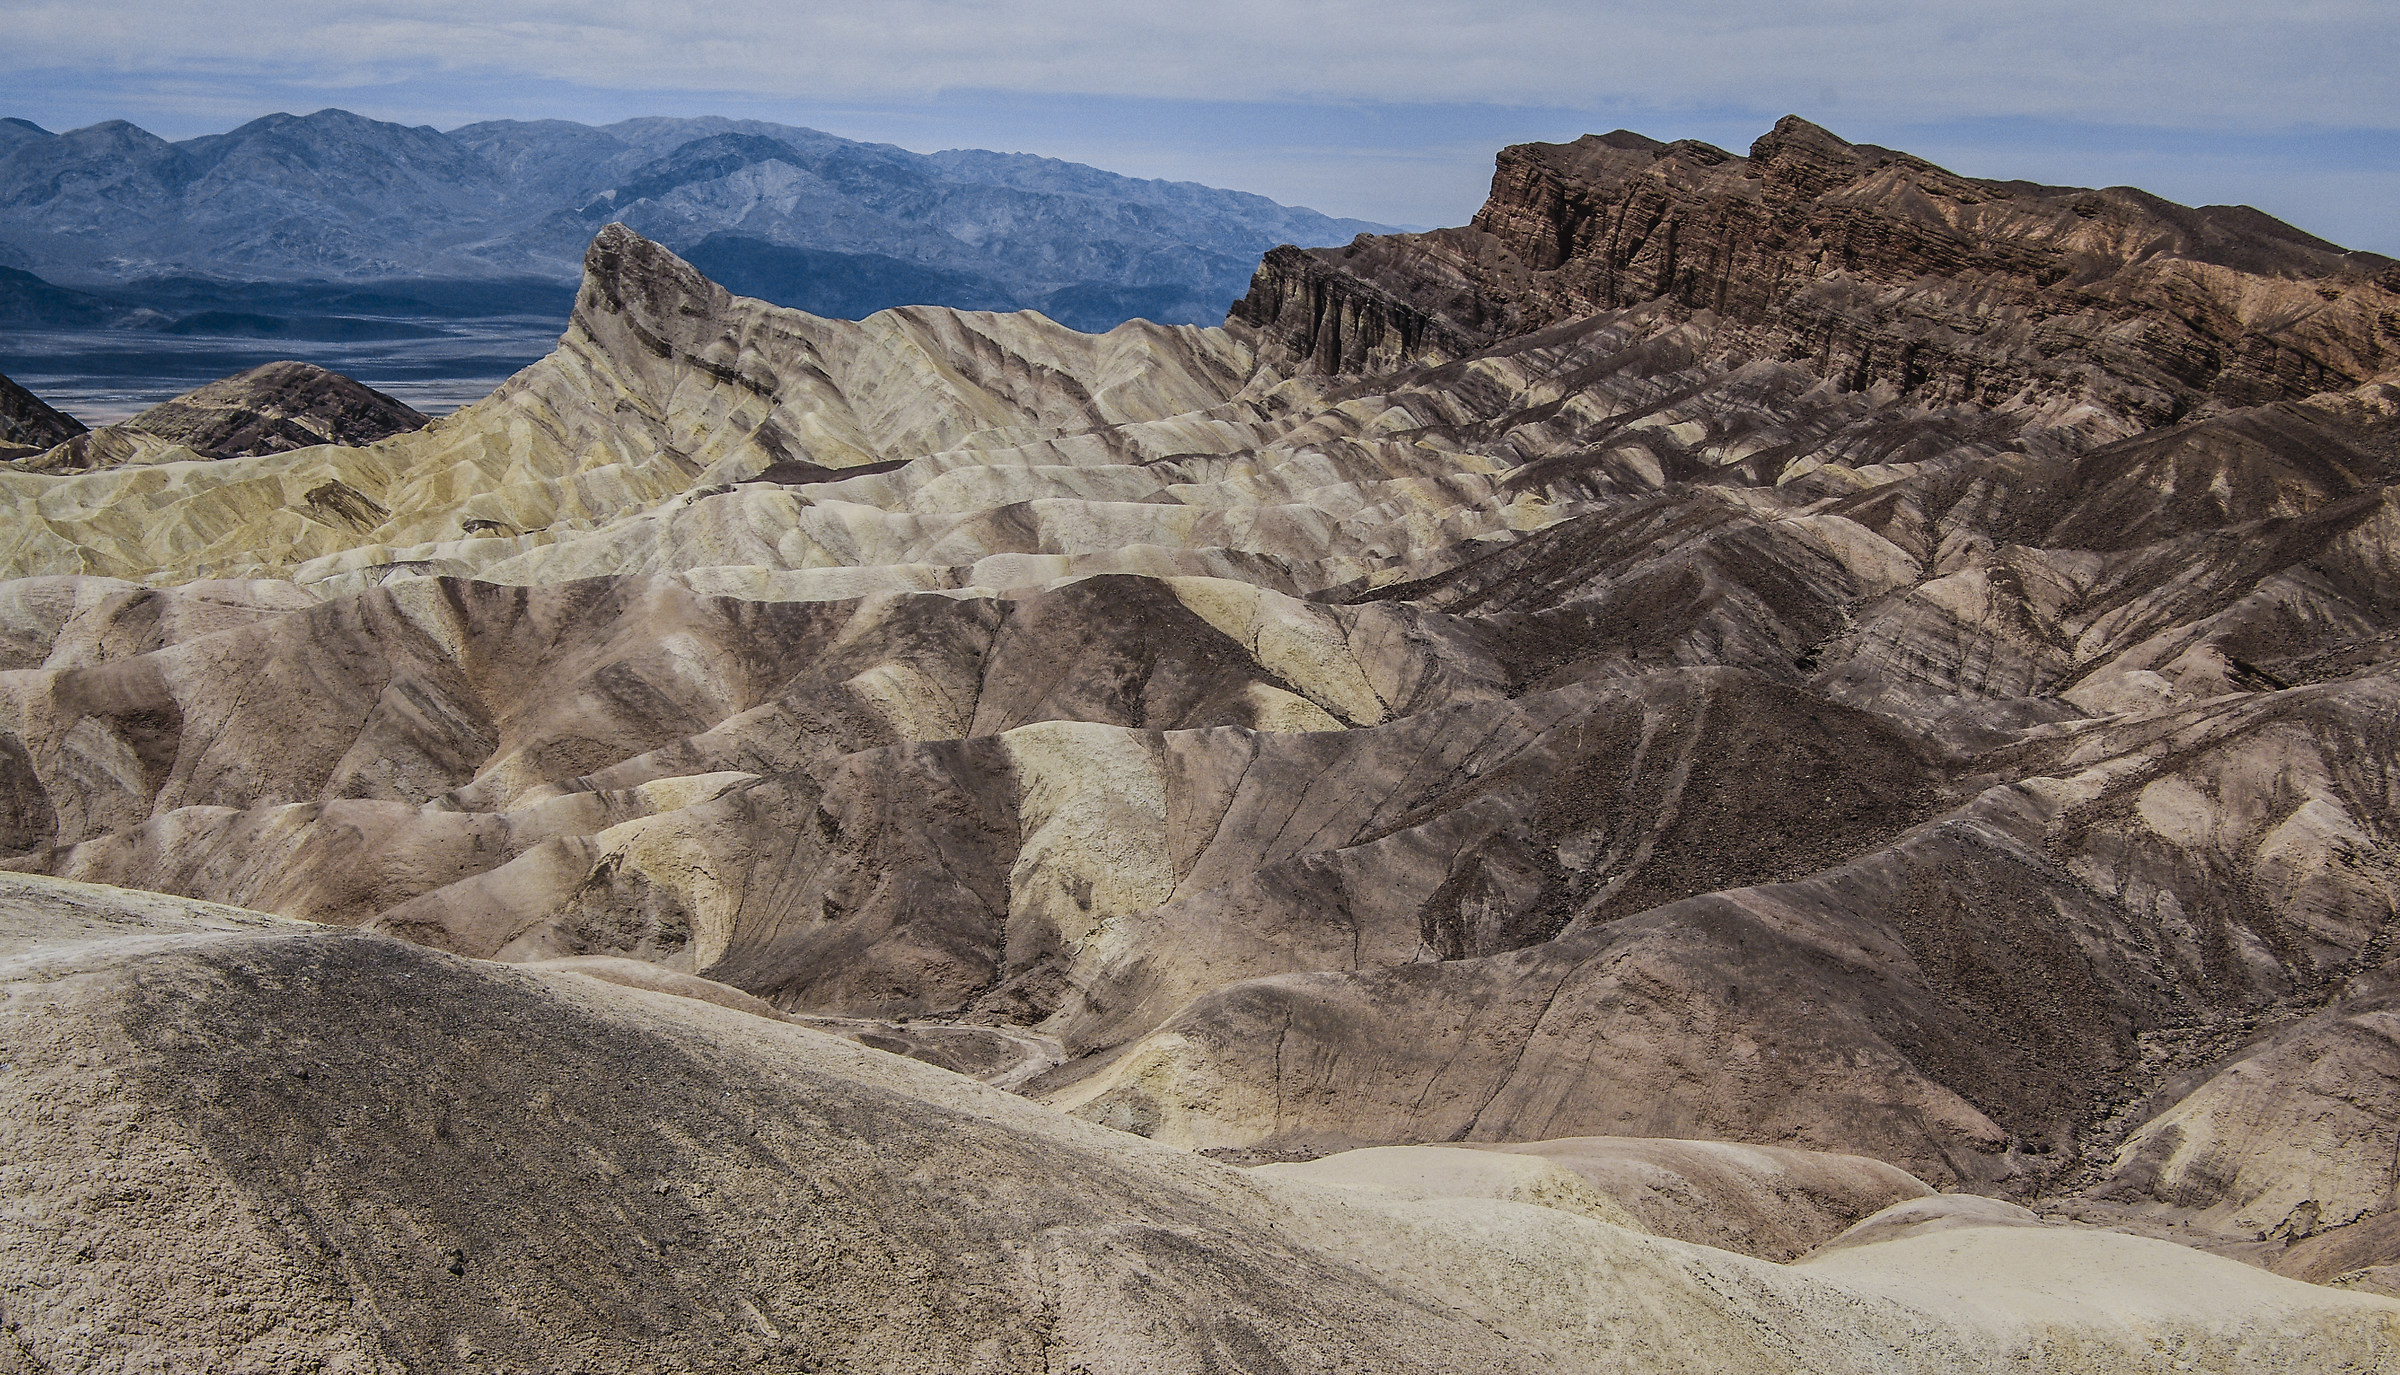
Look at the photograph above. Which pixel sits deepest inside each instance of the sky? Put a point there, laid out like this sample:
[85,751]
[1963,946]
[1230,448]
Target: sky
[1388,111]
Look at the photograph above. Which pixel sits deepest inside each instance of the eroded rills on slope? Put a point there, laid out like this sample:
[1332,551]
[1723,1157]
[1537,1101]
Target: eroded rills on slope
[1719,649]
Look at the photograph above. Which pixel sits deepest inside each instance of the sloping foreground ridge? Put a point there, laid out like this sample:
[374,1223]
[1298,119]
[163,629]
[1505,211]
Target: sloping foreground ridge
[1828,672]
[247,1143]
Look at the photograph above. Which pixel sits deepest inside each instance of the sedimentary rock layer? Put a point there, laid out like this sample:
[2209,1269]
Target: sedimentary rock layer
[267,410]
[1866,265]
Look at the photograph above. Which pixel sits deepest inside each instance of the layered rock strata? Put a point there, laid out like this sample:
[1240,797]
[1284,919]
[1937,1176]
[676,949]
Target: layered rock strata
[1868,267]
[275,407]
[269,409]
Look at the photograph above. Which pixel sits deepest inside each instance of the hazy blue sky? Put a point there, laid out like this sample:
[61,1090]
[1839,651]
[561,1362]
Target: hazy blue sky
[1387,110]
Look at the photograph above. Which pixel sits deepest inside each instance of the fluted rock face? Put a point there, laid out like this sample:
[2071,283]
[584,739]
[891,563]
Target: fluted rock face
[1598,734]
[1869,267]
[1339,319]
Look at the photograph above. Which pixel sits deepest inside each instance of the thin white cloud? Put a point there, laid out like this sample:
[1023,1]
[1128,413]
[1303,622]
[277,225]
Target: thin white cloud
[2199,63]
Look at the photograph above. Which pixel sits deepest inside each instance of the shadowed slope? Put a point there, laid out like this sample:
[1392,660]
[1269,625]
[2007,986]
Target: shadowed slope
[28,422]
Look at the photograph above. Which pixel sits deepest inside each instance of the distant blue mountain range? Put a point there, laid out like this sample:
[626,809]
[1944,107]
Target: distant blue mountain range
[112,224]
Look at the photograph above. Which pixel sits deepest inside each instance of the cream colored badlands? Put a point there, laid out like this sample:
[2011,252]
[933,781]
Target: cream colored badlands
[240,1142]
[1555,809]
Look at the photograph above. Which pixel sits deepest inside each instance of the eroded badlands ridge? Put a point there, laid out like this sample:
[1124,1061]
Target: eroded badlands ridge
[1630,728]
[28,423]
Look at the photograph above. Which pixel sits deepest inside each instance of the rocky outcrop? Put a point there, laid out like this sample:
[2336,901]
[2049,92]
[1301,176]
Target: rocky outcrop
[28,425]
[1867,266]
[1331,319]
[270,409]
[276,407]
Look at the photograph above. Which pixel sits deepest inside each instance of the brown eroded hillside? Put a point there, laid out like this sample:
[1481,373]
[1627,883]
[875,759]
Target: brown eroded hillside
[1796,668]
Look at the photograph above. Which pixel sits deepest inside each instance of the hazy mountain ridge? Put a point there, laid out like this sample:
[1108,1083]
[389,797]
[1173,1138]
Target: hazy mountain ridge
[336,197]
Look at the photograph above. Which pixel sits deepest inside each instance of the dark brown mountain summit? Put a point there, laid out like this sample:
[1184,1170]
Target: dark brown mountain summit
[1866,265]
[274,407]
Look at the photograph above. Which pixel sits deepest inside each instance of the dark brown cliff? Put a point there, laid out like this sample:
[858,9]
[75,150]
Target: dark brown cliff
[1871,266]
